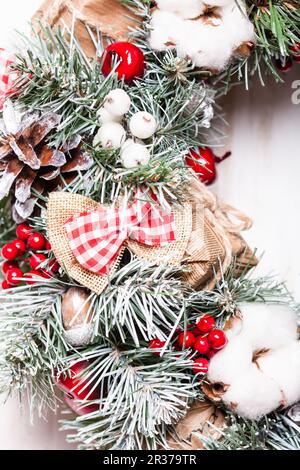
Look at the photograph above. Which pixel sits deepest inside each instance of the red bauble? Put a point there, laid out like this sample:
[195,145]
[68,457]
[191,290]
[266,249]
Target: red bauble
[14,276]
[10,251]
[23,231]
[205,324]
[186,340]
[156,343]
[203,163]
[200,366]
[20,245]
[5,284]
[131,58]
[8,265]
[217,339]
[201,345]
[284,65]
[36,241]
[73,386]
[211,353]
[36,260]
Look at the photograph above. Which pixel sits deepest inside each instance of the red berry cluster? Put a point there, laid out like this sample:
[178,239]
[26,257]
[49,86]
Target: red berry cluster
[286,64]
[16,262]
[203,337]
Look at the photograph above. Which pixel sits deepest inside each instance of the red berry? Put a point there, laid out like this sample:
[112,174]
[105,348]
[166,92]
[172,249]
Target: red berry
[20,245]
[23,231]
[8,265]
[201,345]
[36,260]
[200,366]
[53,266]
[211,353]
[6,285]
[284,65]
[36,241]
[217,339]
[156,343]
[13,276]
[205,324]
[203,163]
[10,251]
[295,48]
[48,246]
[31,275]
[186,340]
[130,58]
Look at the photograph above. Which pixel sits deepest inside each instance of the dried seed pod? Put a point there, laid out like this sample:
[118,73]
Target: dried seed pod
[77,316]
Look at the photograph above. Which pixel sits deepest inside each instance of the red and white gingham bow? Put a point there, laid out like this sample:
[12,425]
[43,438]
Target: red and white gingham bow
[7,77]
[96,237]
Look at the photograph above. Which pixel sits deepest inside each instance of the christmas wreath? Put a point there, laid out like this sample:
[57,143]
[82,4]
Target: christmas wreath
[128,289]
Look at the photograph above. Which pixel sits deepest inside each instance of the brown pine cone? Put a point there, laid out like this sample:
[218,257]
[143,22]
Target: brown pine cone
[28,164]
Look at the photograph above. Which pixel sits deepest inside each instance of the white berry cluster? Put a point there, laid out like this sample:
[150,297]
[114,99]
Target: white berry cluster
[259,368]
[112,134]
[207,32]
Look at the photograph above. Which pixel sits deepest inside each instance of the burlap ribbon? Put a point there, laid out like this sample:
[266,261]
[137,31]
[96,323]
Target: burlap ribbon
[110,17]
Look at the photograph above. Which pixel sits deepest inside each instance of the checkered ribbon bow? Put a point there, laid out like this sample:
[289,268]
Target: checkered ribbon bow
[96,237]
[7,77]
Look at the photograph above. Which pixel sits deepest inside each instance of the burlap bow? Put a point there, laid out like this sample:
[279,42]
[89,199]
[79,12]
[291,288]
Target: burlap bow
[96,237]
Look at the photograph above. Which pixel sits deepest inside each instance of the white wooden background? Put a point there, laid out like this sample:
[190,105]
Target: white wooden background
[261,178]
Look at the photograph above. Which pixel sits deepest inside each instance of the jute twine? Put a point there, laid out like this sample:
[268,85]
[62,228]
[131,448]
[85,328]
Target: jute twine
[110,17]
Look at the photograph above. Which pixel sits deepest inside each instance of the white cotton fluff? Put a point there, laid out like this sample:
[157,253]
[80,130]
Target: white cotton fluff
[208,41]
[231,362]
[117,102]
[104,116]
[142,125]
[166,28]
[205,45]
[187,9]
[239,28]
[219,3]
[268,326]
[253,394]
[134,154]
[110,135]
[283,366]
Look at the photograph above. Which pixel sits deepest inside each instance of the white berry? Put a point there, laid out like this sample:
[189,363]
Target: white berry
[142,125]
[117,102]
[110,135]
[134,154]
[104,116]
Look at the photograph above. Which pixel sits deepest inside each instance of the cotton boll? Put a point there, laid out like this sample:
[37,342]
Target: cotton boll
[283,366]
[268,326]
[187,9]
[239,28]
[166,29]
[117,102]
[110,135]
[104,116]
[231,362]
[134,154]
[253,394]
[142,125]
[208,48]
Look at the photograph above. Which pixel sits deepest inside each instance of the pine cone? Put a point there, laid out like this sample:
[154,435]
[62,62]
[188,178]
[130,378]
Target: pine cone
[28,164]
